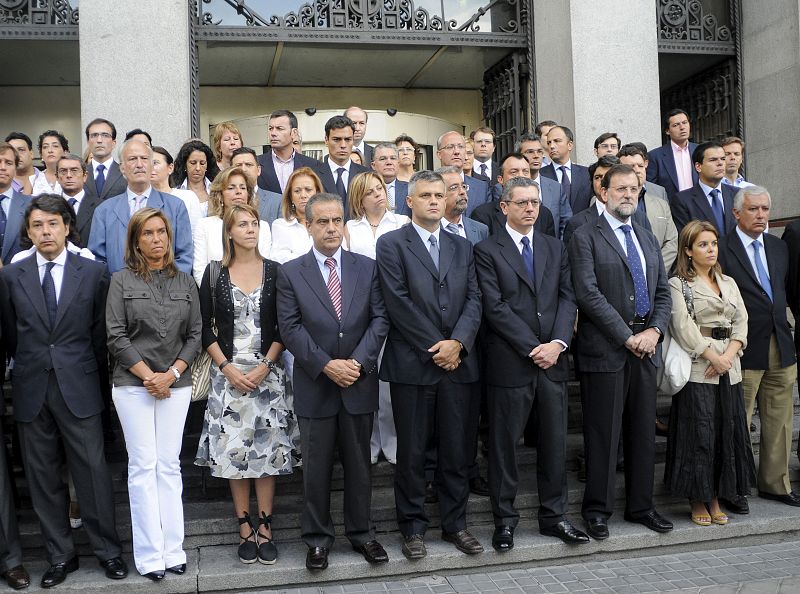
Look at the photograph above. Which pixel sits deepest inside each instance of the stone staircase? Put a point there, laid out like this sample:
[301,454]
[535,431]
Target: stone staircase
[212,535]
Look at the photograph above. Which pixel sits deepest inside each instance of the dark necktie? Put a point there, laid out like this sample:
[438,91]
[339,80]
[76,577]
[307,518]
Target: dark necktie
[716,206]
[100,180]
[639,281]
[3,220]
[484,173]
[527,258]
[72,202]
[340,189]
[565,183]
[434,250]
[49,290]
[763,277]
[334,287]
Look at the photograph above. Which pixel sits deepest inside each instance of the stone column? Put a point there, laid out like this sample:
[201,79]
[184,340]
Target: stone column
[597,70]
[771,73]
[135,67]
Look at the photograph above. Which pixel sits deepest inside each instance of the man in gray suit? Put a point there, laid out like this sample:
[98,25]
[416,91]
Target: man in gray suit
[385,162]
[269,203]
[12,204]
[456,200]
[624,308]
[53,313]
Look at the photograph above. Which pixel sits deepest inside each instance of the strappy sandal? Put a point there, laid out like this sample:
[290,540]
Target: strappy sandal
[719,518]
[267,551]
[248,549]
[703,518]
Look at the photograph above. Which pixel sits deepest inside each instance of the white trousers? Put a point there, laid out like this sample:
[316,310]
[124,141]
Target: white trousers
[384,434]
[153,434]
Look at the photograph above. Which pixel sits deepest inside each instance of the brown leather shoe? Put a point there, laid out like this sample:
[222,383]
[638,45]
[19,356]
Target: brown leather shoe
[464,541]
[317,558]
[17,578]
[414,547]
[372,551]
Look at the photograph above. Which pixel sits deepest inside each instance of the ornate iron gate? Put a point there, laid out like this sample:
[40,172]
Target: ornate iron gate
[504,107]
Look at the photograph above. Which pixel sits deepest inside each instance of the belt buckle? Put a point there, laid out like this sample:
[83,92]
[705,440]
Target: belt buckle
[720,333]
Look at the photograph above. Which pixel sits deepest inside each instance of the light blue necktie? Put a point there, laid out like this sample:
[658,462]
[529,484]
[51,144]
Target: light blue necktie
[434,250]
[639,280]
[763,277]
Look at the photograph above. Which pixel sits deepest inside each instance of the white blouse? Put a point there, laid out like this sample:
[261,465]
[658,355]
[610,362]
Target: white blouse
[40,185]
[363,241]
[208,243]
[290,239]
[192,203]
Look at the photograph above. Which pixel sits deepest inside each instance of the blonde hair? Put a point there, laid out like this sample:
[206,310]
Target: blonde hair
[287,205]
[216,206]
[134,259]
[228,249]
[359,187]
[216,138]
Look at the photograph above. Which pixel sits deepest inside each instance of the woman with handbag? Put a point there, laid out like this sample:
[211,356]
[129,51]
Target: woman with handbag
[709,456]
[250,432]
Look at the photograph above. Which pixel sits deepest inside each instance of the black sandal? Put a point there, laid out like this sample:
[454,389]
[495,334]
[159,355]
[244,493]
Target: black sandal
[267,551]
[248,549]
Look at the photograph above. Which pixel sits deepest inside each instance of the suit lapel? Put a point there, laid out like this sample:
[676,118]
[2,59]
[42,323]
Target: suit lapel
[156,200]
[419,250]
[29,279]
[16,212]
[611,237]
[69,285]
[123,211]
[113,175]
[313,277]
[737,248]
[701,201]
[772,264]
[349,280]
[669,163]
[511,255]
[447,251]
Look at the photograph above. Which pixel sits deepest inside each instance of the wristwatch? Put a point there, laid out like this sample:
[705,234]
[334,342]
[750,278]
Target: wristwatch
[175,372]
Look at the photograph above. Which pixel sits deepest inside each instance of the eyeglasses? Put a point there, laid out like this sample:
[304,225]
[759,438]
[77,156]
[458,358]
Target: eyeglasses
[533,152]
[524,203]
[450,147]
[71,171]
[405,149]
[96,135]
[457,187]
[607,146]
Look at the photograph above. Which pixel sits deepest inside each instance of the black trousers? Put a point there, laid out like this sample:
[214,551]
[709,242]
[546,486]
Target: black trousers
[625,402]
[412,407]
[10,550]
[54,433]
[318,440]
[508,414]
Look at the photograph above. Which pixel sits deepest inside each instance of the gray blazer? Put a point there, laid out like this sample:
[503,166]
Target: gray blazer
[655,190]
[16,215]
[475,230]
[269,205]
[663,227]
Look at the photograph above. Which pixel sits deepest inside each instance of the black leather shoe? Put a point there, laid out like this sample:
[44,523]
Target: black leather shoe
[57,573]
[414,547]
[789,498]
[17,578]
[373,552]
[738,505]
[115,568]
[503,538]
[566,532]
[479,486]
[464,541]
[431,494]
[177,569]
[654,521]
[155,576]
[317,558]
[597,528]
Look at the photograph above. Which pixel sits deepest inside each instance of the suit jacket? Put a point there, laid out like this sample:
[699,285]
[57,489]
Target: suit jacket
[329,182]
[655,190]
[693,204]
[764,317]
[115,183]
[490,215]
[661,168]
[85,213]
[400,195]
[475,230]
[580,189]
[521,314]
[791,236]
[313,333]
[74,349]
[269,205]
[555,199]
[494,170]
[605,293]
[15,220]
[369,155]
[110,227]
[477,191]
[268,180]
[427,305]
[663,227]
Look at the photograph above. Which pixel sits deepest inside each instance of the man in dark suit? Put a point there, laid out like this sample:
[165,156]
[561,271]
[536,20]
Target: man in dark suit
[71,173]
[484,167]
[53,313]
[553,196]
[359,118]
[337,171]
[708,199]
[530,310]
[624,309]
[490,214]
[432,296]
[385,161]
[670,165]
[451,150]
[269,203]
[105,177]
[12,204]
[574,178]
[333,320]
[759,263]
[11,569]
[281,159]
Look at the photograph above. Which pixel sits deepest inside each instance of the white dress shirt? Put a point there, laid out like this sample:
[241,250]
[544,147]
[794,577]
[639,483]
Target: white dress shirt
[424,234]
[558,167]
[345,174]
[748,242]
[78,199]
[71,247]
[363,240]
[616,226]
[460,224]
[707,191]
[476,167]
[57,272]
[290,239]
[323,268]
[107,164]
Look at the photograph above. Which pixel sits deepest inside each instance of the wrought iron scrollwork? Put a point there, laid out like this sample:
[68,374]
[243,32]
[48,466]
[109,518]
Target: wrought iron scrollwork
[37,13]
[686,20]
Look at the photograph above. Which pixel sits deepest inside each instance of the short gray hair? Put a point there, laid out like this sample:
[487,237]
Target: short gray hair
[450,169]
[385,145]
[743,193]
[422,176]
[130,141]
[527,137]
[71,157]
[321,197]
[518,182]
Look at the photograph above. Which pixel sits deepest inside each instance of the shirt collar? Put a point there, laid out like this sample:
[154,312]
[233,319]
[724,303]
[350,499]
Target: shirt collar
[275,157]
[78,197]
[60,260]
[332,164]
[616,224]
[601,208]
[747,240]
[707,189]
[675,147]
[107,163]
[517,237]
[320,257]
[424,234]
[132,195]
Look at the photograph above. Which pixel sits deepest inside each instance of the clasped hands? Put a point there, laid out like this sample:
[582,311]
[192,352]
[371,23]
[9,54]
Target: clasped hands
[158,384]
[545,355]
[246,382]
[718,365]
[343,372]
[447,354]
[643,344]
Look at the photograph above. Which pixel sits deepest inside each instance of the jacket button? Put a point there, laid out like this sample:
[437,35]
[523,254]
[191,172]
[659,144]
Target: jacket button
[341,334]
[52,346]
[538,313]
[631,297]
